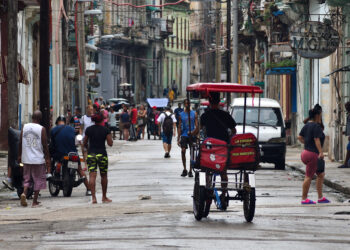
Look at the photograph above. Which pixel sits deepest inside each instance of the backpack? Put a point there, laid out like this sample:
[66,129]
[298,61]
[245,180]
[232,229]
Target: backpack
[168,125]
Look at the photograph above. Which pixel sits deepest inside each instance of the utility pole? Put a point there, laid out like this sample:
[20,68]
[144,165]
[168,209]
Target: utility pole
[44,74]
[12,64]
[218,39]
[81,49]
[235,41]
[228,47]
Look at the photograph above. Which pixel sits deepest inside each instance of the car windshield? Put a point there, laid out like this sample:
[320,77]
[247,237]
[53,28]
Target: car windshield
[268,116]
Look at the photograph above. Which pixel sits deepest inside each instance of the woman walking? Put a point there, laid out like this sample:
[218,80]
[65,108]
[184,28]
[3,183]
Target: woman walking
[312,137]
[141,121]
[96,137]
[125,120]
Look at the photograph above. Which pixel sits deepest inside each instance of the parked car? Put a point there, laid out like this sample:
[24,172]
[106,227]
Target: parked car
[272,128]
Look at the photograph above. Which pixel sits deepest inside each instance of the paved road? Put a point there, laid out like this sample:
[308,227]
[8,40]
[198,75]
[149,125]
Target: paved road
[166,220]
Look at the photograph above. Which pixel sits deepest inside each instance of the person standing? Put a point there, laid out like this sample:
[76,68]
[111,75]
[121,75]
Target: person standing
[171,96]
[112,121]
[347,133]
[133,120]
[95,139]
[141,122]
[85,123]
[186,134]
[75,120]
[34,154]
[125,121]
[167,129]
[312,136]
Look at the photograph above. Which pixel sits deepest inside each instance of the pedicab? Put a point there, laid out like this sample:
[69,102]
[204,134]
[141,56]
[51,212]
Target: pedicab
[239,158]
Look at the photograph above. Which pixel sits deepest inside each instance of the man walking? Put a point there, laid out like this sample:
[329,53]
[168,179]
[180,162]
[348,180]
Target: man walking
[112,121]
[187,130]
[347,133]
[167,128]
[34,154]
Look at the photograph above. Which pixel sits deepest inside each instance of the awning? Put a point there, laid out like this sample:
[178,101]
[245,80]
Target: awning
[151,8]
[21,72]
[158,102]
[281,71]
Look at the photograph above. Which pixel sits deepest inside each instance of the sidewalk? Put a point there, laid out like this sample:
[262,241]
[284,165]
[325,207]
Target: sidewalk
[336,178]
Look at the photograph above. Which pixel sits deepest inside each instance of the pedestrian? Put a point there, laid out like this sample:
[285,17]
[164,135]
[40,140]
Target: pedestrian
[177,113]
[112,121]
[125,121]
[96,103]
[171,96]
[85,123]
[167,129]
[69,115]
[75,120]
[347,133]
[141,122]
[187,134]
[312,136]
[104,113]
[133,120]
[34,154]
[95,139]
[63,143]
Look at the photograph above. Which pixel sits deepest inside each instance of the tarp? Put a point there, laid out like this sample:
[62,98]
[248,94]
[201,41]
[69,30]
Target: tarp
[281,71]
[158,102]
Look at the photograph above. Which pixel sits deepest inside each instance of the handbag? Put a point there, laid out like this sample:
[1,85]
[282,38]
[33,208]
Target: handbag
[320,165]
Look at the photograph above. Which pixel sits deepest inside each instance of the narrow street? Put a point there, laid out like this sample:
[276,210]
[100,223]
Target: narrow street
[166,220]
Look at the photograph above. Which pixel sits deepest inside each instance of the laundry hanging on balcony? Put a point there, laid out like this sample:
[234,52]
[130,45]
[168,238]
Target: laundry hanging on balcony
[131,22]
[21,72]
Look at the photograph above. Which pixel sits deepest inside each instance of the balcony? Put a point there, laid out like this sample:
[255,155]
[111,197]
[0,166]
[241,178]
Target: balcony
[166,28]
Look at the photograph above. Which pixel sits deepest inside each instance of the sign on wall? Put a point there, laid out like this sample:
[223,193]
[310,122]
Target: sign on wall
[314,39]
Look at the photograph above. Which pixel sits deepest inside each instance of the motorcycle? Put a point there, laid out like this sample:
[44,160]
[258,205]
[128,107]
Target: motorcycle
[16,168]
[65,175]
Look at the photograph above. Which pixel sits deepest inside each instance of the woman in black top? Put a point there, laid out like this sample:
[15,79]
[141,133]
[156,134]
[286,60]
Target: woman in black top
[95,137]
[312,137]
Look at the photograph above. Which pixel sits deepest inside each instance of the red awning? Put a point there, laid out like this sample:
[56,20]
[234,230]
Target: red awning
[22,74]
[224,87]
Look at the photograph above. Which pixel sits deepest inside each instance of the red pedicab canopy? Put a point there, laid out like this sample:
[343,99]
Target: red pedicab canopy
[205,88]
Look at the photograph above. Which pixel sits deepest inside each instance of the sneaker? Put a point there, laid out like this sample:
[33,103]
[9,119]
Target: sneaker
[24,200]
[184,173]
[166,155]
[323,200]
[8,185]
[88,193]
[344,166]
[307,202]
[190,174]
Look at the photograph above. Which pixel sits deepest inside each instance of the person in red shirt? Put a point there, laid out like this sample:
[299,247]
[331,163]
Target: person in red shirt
[133,116]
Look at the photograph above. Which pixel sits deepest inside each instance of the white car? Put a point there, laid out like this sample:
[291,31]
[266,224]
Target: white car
[272,128]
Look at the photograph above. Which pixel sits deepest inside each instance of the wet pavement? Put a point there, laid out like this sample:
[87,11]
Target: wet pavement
[138,170]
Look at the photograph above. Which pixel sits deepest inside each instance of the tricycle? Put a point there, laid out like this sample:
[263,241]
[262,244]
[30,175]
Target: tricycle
[238,159]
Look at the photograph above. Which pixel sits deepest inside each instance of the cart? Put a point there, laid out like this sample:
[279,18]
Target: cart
[239,158]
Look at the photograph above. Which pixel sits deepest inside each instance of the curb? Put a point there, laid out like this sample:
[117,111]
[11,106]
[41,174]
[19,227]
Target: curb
[327,182]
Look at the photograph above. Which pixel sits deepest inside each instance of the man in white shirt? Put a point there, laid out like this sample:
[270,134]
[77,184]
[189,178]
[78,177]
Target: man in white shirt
[34,154]
[167,122]
[86,122]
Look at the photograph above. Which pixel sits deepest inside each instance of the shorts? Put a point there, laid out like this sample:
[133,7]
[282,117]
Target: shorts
[113,128]
[185,141]
[34,173]
[167,138]
[97,160]
[348,147]
[310,160]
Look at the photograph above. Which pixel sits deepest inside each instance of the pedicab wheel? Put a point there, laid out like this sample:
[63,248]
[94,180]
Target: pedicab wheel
[53,189]
[249,203]
[207,208]
[198,199]
[29,192]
